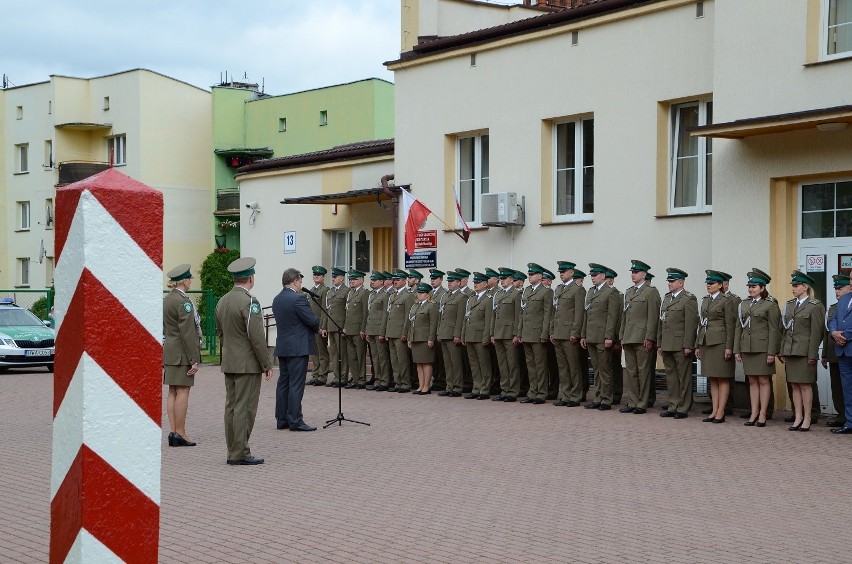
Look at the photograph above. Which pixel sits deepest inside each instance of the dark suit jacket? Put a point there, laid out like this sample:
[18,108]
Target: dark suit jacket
[842,321]
[296,324]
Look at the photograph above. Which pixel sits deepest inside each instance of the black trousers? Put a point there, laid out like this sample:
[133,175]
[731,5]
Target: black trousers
[292,371]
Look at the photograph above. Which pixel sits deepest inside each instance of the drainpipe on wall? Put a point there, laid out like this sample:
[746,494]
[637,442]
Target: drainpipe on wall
[394,212]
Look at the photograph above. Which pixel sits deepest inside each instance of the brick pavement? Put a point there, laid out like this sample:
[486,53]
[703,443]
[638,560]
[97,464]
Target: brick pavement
[452,480]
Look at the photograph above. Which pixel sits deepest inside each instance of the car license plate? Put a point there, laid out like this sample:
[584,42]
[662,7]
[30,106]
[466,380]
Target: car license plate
[41,352]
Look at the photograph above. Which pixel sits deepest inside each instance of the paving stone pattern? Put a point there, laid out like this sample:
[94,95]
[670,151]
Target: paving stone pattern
[438,479]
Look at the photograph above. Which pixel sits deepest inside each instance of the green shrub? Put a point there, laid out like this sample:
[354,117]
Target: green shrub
[215,278]
[40,308]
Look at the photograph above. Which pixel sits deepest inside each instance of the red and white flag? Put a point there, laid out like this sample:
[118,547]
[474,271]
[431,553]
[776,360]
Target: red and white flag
[414,214]
[461,224]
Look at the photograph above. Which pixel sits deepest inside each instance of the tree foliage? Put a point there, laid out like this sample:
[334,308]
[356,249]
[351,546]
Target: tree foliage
[215,278]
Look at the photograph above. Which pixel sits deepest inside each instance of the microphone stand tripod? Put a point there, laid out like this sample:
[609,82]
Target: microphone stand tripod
[339,418]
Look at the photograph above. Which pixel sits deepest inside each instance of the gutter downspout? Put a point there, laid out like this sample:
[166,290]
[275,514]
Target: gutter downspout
[394,213]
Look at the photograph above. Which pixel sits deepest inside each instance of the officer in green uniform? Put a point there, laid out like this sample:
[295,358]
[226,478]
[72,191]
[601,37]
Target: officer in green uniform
[735,299]
[244,358]
[399,304]
[464,280]
[491,288]
[676,335]
[439,373]
[638,334]
[181,351]
[354,330]
[552,368]
[506,306]
[652,366]
[829,355]
[534,331]
[816,406]
[475,337]
[374,329]
[600,330]
[464,276]
[566,327]
[335,305]
[321,359]
[451,306]
[617,370]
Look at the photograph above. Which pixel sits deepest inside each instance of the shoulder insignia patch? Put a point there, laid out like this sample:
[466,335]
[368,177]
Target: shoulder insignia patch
[815,302]
[255,308]
[771,299]
[187,307]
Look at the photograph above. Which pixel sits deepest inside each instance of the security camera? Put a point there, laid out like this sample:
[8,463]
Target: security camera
[251,205]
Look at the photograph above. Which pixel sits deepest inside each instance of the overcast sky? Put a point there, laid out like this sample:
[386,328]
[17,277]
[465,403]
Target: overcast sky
[292,45]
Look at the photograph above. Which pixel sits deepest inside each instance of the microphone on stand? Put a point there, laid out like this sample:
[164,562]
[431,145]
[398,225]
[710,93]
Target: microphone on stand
[312,294]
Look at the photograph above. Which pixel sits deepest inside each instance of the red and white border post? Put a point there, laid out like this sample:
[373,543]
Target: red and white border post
[107,398]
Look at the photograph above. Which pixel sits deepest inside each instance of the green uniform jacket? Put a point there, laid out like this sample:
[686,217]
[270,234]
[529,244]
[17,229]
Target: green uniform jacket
[716,322]
[451,314]
[377,303]
[506,306]
[477,319]
[804,328]
[568,311]
[436,293]
[758,328]
[335,303]
[240,327]
[641,315]
[678,322]
[356,310]
[536,311]
[423,322]
[320,290]
[603,310]
[180,333]
[396,313]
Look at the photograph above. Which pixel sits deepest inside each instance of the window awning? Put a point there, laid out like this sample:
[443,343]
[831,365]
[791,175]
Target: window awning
[363,196]
[823,119]
[244,152]
[83,126]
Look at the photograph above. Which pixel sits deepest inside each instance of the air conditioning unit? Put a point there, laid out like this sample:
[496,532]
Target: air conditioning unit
[502,209]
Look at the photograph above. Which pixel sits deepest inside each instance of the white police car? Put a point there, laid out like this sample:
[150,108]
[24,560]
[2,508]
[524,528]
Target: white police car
[25,341]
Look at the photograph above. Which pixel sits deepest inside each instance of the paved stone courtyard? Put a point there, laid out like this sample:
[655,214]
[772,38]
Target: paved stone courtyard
[451,480]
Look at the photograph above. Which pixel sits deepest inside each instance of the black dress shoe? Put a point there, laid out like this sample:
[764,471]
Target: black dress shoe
[627,409]
[842,431]
[750,423]
[426,393]
[470,396]
[570,403]
[760,424]
[667,414]
[416,392]
[708,420]
[834,423]
[171,439]
[371,387]
[371,381]
[537,401]
[604,407]
[707,411]
[179,441]
[679,415]
[501,397]
[526,400]
[281,426]
[381,388]
[402,390]
[560,403]
[722,420]
[592,405]
[302,426]
[804,429]
[332,385]
[639,410]
[510,399]
[445,393]
[794,427]
[392,389]
[250,461]
[454,394]
[351,386]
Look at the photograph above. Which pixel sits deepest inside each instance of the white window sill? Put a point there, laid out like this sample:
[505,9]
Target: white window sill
[22,230]
[685,214]
[20,172]
[22,285]
[833,59]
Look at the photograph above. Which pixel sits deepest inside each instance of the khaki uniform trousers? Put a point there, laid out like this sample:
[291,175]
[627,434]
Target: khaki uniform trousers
[321,358]
[479,357]
[453,365]
[570,370]
[356,355]
[340,351]
[536,357]
[507,363]
[601,358]
[242,392]
[400,360]
[380,361]
[678,381]
[637,375]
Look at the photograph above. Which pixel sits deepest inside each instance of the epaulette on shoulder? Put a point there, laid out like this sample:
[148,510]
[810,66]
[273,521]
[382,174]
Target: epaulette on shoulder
[791,301]
[688,295]
[815,301]
[771,299]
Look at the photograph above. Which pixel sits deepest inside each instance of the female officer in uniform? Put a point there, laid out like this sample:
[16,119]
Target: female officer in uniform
[756,341]
[715,343]
[421,330]
[181,351]
[802,320]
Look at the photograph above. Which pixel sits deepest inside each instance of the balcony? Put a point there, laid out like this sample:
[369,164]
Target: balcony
[227,201]
[73,171]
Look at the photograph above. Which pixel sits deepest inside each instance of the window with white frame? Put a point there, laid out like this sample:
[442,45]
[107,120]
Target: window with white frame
[117,149]
[48,153]
[22,163]
[574,170]
[23,274]
[827,210]
[340,250]
[23,216]
[691,184]
[48,271]
[472,175]
[48,213]
[837,28]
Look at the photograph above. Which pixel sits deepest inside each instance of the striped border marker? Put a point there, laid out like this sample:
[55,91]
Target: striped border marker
[107,385]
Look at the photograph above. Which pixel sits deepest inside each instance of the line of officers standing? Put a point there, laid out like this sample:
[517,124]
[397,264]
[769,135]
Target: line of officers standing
[514,327]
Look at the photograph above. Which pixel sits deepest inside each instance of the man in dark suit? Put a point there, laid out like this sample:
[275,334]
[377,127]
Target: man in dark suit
[840,329]
[297,326]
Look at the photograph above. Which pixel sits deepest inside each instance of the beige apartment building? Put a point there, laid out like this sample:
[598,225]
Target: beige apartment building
[151,127]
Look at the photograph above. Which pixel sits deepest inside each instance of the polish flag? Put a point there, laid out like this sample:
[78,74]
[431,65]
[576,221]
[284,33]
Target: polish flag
[415,214]
[461,224]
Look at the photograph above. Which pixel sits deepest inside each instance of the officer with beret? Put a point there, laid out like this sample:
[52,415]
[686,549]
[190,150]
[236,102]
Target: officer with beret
[321,359]
[475,337]
[676,335]
[506,306]
[803,320]
[757,336]
[617,369]
[600,330]
[638,335]
[829,355]
[355,330]
[565,332]
[399,304]
[245,357]
[451,307]
[181,351]
[534,330]
[335,305]
[377,303]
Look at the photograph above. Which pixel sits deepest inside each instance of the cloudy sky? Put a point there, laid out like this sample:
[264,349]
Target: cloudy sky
[291,45]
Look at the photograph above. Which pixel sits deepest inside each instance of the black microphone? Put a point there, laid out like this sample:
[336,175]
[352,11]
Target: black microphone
[310,293]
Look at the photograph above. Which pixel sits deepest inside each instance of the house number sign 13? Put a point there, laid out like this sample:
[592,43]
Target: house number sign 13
[289,242]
